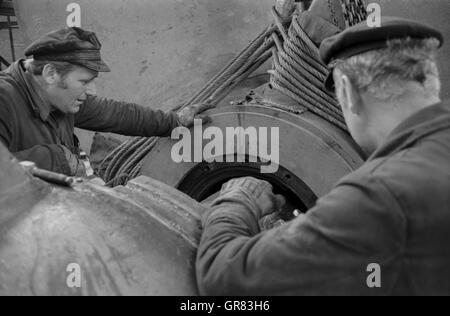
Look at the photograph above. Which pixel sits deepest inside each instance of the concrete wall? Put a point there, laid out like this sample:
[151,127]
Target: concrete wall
[5,50]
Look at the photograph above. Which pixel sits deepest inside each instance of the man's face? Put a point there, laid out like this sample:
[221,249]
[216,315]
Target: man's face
[72,90]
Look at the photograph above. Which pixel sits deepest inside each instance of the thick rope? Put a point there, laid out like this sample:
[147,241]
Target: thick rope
[299,73]
[354,12]
[303,80]
[231,68]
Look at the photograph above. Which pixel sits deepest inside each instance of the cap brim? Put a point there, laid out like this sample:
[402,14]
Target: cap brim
[98,66]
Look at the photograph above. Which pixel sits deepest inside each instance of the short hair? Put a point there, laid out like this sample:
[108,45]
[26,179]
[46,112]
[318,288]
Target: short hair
[384,72]
[36,67]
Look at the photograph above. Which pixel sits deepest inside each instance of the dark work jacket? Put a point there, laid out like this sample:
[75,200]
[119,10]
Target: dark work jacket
[32,131]
[394,212]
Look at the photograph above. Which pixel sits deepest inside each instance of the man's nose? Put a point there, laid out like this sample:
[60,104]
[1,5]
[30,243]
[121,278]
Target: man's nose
[91,89]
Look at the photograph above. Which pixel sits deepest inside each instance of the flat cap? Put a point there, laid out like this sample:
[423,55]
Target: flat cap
[71,44]
[362,38]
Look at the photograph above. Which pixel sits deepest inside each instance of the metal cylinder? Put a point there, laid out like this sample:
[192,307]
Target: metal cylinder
[90,240]
[313,154]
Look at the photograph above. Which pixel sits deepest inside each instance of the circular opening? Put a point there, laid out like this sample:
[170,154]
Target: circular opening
[204,182]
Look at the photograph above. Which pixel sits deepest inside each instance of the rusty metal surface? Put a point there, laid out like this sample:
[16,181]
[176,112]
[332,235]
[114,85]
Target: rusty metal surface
[134,240]
[11,175]
[315,151]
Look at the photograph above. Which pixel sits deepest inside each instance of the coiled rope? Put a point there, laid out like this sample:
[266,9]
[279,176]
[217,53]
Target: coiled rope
[354,12]
[298,73]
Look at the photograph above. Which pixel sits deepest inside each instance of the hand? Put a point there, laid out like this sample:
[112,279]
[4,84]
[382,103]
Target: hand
[258,193]
[76,166]
[187,115]
[271,221]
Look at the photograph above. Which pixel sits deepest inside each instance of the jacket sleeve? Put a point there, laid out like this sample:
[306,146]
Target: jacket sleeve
[49,157]
[103,115]
[327,251]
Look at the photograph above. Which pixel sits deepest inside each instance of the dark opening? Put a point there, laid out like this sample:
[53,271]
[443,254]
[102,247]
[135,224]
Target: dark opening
[204,181]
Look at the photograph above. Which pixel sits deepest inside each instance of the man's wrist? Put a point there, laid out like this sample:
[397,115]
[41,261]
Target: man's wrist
[232,210]
[239,195]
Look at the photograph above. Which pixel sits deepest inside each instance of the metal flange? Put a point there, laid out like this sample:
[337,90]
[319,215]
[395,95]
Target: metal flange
[313,155]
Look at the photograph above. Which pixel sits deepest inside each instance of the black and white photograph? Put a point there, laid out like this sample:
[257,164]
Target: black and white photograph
[224,153]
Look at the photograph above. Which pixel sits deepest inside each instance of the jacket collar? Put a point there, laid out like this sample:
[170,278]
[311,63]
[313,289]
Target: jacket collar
[31,89]
[418,126]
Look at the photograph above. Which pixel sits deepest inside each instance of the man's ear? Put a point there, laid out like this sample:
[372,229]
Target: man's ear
[353,100]
[50,75]
[432,85]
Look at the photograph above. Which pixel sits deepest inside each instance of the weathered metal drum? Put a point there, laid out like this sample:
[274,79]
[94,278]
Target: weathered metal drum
[90,240]
[313,154]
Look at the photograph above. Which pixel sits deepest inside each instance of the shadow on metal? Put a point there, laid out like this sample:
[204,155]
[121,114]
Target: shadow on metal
[135,240]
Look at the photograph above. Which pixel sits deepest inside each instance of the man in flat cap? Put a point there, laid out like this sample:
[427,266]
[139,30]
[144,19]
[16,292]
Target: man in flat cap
[43,98]
[383,230]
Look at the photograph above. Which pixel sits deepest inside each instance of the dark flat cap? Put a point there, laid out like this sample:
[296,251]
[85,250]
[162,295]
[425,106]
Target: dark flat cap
[71,44]
[362,38]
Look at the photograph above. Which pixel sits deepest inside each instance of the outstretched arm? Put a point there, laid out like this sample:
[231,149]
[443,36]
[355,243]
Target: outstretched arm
[327,251]
[103,115]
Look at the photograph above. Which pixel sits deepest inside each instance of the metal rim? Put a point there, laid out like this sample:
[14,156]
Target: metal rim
[205,179]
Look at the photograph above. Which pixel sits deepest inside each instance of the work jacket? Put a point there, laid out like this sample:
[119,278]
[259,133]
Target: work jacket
[32,130]
[383,230]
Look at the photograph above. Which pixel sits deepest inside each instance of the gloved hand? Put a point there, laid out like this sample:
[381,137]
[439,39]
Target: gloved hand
[187,115]
[76,166]
[257,194]
[271,221]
